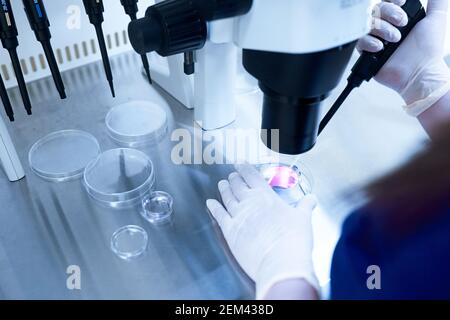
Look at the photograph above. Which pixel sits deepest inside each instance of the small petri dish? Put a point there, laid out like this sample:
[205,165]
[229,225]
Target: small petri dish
[137,123]
[63,155]
[119,178]
[290,182]
[157,208]
[129,242]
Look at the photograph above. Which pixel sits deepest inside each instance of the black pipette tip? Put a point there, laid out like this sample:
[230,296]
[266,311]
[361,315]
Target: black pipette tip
[147,68]
[105,58]
[335,107]
[29,112]
[6,102]
[61,90]
[46,45]
[20,80]
[111,85]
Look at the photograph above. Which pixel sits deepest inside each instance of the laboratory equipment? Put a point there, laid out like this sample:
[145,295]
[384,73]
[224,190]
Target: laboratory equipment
[157,207]
[131,9]
[8,35]
[5,100]
[290,182]
[72,41]
[297,49]
[129,242]
[94,9]
[119,178]
[369,64]
[38,19]
[137,123]
[8,155]
[63,155]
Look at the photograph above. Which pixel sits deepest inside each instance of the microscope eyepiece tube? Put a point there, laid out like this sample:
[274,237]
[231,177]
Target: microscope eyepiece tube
[289,124]
[294,87]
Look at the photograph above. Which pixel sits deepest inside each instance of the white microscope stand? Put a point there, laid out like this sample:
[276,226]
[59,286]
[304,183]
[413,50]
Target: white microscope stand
[8,155]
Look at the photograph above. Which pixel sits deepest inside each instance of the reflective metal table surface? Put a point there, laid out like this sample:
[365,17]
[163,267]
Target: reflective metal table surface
[46,227]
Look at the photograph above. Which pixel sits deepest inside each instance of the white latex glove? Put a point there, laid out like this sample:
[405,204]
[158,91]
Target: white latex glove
[270,240]
[417,71]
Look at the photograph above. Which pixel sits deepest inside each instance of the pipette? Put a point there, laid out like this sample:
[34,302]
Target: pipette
[131,10]
[8,35]
[369,64]
[94,9]
[37,16]
[5,99]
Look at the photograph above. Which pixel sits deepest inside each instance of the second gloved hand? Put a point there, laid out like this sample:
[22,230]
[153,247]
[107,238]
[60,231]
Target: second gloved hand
[271,241]
[417,70]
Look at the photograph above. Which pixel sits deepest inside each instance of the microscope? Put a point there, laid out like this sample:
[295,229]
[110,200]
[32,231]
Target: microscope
[298,51]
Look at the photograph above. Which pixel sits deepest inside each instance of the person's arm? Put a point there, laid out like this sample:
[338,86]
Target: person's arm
[436,116]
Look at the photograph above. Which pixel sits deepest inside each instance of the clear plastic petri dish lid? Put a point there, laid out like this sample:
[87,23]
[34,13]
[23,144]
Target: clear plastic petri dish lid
[136,123]
[63,155]
[119,178]
[129,242]
[290,181]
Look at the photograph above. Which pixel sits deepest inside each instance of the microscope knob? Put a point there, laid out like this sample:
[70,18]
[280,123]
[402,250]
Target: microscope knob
[169,28]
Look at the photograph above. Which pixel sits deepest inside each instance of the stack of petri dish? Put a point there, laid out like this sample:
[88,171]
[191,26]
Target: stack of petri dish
[119,178]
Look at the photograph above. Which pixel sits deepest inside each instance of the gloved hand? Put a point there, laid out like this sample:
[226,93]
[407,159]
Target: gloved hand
[417,71]
[270,240]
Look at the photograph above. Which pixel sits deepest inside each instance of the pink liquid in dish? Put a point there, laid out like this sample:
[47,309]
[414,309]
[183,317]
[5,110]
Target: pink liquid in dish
[281,177]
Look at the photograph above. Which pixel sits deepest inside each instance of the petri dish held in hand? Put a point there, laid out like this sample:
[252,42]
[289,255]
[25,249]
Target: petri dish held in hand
[290,182]
[63,155]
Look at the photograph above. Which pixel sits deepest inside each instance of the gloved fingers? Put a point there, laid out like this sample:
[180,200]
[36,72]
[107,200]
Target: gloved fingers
[228,198]
[238,186]
[397,2]
[370,44]
[308,203]
[219,213]
[391,13]
[437,6]
[251,176]
[386,31]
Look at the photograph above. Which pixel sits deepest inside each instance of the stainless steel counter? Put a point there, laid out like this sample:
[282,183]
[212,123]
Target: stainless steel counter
[45,227]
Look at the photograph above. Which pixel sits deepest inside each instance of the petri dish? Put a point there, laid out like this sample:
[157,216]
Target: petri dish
[136,123]
[63,155]
[157,208]
[129,242]
[119,178]
[290,182]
